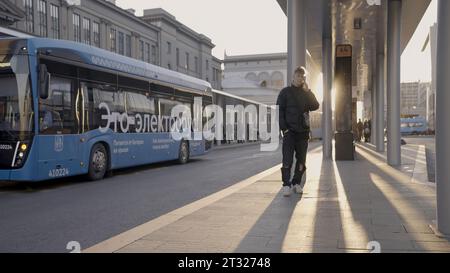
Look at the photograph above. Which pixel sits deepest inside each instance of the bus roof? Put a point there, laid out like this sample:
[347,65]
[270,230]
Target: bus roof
[106,59]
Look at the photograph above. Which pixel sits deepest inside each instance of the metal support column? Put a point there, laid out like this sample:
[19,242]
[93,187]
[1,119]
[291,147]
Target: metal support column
[380,103]
[373,99]
[393,81]
[327,70]
[296,13]
[442,119]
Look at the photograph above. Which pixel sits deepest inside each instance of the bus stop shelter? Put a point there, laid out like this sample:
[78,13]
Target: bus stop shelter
[378,31]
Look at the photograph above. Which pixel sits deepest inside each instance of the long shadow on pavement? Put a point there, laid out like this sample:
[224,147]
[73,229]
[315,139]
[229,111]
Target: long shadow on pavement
[280,227]
[383,205]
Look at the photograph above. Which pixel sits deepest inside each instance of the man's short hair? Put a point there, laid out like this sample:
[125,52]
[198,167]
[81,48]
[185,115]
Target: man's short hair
[301,70]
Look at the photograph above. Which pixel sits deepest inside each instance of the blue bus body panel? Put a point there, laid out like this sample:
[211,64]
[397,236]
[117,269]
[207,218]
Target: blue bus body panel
[56,156]
[413,125]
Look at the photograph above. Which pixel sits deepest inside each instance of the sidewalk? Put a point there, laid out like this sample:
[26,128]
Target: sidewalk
[345,206]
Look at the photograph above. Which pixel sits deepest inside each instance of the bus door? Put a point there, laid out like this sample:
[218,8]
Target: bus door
[59,141]
[90,96]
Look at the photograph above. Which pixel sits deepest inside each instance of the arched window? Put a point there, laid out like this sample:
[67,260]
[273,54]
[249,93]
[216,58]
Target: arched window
[251,77]
[264,78]
[277,80]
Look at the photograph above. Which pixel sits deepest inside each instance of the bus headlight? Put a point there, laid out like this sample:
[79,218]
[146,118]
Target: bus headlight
[23,147]
[21,154]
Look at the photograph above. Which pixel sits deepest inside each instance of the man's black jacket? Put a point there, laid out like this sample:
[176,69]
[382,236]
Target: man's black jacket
[293,102]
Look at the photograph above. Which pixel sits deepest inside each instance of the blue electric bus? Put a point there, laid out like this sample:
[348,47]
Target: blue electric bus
[70,109]
[413,125]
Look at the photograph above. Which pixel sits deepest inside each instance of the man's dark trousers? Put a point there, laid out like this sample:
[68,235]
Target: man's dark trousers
[294,143]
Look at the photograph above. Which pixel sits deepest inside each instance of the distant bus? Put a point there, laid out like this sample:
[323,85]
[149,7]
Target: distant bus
[70,109]
[413,126]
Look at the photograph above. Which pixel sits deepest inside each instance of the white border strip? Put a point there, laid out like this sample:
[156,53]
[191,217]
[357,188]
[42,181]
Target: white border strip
[15,154]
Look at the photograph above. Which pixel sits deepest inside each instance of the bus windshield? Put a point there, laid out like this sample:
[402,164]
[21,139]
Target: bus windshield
[16,114]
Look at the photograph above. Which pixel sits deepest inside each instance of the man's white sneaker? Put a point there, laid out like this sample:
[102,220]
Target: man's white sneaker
[298,189]
[286,191]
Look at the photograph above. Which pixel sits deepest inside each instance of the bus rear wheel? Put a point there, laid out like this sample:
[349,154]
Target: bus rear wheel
[98,162]
[183,155]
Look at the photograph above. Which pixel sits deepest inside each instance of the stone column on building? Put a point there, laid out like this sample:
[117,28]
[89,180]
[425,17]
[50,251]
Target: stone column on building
[104,34]
[135,37]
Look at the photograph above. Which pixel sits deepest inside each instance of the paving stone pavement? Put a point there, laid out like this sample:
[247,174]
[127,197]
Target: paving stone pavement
[345,206]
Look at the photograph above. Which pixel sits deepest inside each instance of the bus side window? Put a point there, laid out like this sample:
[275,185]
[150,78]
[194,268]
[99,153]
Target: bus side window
[101,96]
[56,113]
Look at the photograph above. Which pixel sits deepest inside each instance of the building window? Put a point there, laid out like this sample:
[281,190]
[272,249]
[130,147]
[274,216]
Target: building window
[169,48]
[128,45]
[169,66]
[42,13]
[178,57]
[76,28]
[154,54]
[29,19]
[207,65]
[141,50]
[54,13]
[113,39]
[96,31]
[87,31]
[187,61]
[147,48]
[196,64]
[216,75]
[121,43]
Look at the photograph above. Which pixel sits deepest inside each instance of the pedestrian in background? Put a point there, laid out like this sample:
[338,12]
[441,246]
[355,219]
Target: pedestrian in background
[366,131]
[360,128]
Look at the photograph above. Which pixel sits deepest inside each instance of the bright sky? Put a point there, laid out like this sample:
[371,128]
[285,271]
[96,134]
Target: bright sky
[416,65]
[239,27]
[260,26]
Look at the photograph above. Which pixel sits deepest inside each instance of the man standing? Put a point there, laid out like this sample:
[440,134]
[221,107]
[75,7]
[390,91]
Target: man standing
[295,103]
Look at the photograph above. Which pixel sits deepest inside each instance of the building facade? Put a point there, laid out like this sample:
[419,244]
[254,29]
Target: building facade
[155,38]
[255,77]
[183,49]
[10,13]
[414,98]
[261,77]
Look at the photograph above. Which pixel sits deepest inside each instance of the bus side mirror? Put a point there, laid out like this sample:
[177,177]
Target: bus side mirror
[44,78]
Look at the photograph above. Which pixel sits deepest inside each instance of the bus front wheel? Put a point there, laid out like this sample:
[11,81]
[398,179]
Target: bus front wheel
[183,155]
[98,162]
